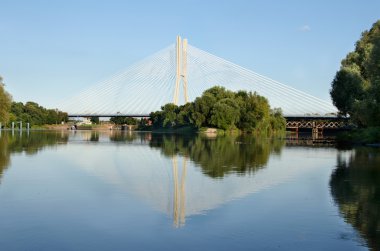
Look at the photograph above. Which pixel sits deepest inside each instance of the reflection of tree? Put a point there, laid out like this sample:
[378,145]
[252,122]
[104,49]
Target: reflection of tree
[220,155]
[29,143]
[94,136]
[4,155]
[123,136]
[355,187]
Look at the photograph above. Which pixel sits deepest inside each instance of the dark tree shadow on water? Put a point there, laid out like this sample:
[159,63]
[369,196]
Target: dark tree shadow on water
[222,155]
[28,143]
[355,187]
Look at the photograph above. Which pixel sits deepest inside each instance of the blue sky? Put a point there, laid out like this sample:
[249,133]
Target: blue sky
[49,50]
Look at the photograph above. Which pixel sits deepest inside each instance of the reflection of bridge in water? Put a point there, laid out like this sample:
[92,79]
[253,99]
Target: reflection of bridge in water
[179,193]
[174,183]
[159,79]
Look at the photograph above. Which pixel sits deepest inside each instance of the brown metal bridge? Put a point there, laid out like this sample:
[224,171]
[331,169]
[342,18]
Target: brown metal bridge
[317,124]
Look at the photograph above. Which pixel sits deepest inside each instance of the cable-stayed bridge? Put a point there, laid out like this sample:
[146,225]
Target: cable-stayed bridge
[179,73]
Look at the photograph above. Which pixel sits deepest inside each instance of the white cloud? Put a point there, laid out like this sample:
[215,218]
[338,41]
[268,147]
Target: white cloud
[305,28]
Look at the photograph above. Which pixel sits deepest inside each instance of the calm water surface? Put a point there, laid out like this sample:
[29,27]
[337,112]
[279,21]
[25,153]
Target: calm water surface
[142,191]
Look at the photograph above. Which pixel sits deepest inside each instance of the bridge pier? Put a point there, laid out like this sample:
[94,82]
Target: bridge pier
[317,132]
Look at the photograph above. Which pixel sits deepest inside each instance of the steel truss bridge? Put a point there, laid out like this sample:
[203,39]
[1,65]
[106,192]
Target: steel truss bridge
[317,124]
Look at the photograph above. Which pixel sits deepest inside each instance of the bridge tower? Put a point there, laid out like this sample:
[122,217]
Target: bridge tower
[181,69]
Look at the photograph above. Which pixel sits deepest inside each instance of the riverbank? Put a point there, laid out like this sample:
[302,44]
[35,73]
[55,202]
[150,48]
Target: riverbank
[103,126]
[366,136]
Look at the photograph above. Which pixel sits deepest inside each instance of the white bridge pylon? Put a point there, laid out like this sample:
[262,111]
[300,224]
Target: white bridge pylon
[150,83]
[181,70]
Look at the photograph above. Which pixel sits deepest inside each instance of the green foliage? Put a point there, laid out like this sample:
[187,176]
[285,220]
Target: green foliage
[225,114]
[277,121]
[347,89]
[31,112]
[95,120]
[356,87]
[170,118]
[255,110]
[35,114]
[5,103]
[124,120]
[367,135]
[222,109]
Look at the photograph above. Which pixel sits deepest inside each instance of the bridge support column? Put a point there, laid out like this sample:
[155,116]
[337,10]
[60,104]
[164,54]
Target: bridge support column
[181,69]
[316,132]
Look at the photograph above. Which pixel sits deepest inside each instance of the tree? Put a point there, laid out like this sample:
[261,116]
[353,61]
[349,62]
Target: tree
[95,120]
[355,90]
[254,109]
[347,89]
[277,120]
[5,103]
[184,115]
[157,119]
[224,114]
[224,109]
[123,120]
[31,112]
[35,114]
[170,115]
[373,69]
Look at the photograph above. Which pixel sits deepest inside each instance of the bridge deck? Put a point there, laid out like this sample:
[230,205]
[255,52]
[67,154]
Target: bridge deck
[292,122]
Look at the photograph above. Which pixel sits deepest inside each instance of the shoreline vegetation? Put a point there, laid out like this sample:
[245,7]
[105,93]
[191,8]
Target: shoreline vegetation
[223,110]
[217,111]
[363,136]
[28,115]
[355,90]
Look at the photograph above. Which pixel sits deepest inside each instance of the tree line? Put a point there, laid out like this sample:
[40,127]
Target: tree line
[222,109]
[33,113]
[30,112]
[355,89]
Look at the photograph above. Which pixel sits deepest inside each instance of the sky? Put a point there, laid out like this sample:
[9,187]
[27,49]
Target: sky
[51,50]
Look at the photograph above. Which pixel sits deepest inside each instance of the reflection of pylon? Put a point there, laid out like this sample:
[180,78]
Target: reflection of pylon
[179,194]
[181,71]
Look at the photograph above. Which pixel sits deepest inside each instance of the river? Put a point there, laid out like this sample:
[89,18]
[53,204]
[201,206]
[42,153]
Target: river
[112,190]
